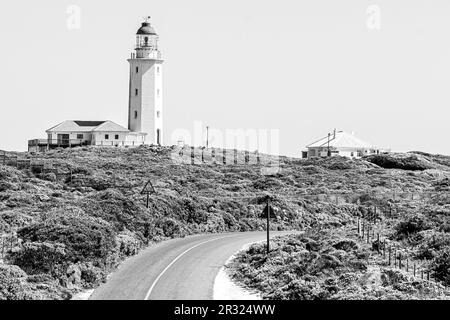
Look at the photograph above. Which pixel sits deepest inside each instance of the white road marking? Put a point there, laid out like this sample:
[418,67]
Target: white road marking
[226,289]
[174,260]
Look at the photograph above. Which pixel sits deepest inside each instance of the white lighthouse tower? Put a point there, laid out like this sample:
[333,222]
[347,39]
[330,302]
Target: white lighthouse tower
[145,93]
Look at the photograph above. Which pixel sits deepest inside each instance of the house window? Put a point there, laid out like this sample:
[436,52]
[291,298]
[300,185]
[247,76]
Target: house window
[135,114]
[137,69]
[351,154]
[116,137]
[106,136]
[157,114]
[79,136]
[136,92]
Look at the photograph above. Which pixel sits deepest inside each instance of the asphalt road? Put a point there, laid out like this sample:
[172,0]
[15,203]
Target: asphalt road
[176,269]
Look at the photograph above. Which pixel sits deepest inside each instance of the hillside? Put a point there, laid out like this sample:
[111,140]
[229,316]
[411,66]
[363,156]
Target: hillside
[65,229]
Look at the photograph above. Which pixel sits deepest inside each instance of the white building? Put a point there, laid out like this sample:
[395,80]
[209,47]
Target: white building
[144,106]
[145,94]
[74,133]
[340,143]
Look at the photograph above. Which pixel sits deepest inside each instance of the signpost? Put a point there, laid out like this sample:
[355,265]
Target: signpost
[268,213]
[148,188]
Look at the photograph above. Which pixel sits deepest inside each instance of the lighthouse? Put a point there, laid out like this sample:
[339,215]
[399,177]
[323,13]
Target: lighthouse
[145,92]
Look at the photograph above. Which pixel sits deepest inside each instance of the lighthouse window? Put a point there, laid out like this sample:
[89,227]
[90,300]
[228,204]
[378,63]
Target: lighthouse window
[157,114]
[137,69]
[157,70]
[136,92]
[157,92]
[135,114]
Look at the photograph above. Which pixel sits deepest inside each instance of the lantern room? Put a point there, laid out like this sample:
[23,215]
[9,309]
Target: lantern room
[146,41]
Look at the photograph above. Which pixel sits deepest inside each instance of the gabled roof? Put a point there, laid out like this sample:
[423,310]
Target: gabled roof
[110,126]
[87,126]
[341,140]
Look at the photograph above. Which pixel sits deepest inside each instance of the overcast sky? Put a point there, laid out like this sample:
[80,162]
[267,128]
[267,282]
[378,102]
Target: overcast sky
[303,67]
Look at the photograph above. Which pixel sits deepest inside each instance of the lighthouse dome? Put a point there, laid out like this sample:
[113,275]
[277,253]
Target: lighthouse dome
[146,28]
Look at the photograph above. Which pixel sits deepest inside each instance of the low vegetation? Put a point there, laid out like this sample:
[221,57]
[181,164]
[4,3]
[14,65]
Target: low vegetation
[327,264]
[65,230]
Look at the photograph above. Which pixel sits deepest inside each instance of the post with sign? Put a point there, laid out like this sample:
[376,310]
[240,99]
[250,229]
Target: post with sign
[268,213]
[148,189]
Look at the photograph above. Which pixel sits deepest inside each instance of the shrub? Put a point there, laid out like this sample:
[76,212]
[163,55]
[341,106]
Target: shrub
[40,257]
[84,237]
[412,225]
[11,283]
[441,266]
[399,161]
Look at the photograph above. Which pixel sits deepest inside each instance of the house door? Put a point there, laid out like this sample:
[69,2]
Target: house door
[158,134]
[63,139]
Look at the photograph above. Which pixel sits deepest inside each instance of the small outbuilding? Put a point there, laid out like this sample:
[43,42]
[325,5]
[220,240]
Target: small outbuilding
[340,143]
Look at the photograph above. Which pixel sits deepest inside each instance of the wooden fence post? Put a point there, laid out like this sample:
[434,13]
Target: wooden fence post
[213,155]
[400,260]
[414,269]
[224,156]
[363,226]
[235,156]
[395,258]
[389,256]
[368,232]
[378,242]
[258,159]
[192,155]
[246,157]
[358,227]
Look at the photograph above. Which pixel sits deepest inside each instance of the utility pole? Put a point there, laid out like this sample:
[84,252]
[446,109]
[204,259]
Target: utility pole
[329,153]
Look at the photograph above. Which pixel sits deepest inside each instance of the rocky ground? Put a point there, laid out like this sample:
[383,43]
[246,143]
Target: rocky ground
[64,230]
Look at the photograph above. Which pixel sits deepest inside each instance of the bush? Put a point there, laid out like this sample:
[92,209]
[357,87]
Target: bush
[11,283]
[399,161]
[412,225]
[441,266]
[40,257]
[85,238]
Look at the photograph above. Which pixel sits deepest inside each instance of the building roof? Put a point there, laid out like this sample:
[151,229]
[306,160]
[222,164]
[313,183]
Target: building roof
[87,126]
[110,126]
[342,140]
[146,28]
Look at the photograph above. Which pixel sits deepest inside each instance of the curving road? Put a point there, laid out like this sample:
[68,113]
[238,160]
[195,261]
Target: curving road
[183,269]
